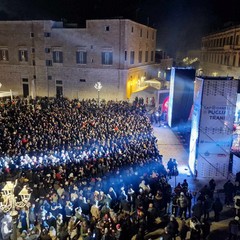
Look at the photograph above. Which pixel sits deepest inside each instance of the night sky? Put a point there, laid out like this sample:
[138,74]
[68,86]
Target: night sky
[180,23]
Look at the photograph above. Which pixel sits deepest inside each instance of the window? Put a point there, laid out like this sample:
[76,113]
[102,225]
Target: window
[107,28]
[57,56]
[237,38]
[47,34]
[82,80]
[140,57]
[132,57]
[33,50]
[4,55]
[146,56]
[151,56]
[81,57]
[107,58]
[23,55]
[49,77]
[48,62]
[234,60]
[33,62]
[132,29]
[153,35]
[47,50]
[31,34]
[59,82]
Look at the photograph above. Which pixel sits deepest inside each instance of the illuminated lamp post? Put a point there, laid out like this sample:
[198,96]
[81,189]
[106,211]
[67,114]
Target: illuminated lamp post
[98,86]
[10,203]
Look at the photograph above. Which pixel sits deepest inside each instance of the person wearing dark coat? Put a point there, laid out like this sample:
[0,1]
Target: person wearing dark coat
[228,188]
[44,235]
[207,206]
[166,235]
[51,220]
[23,220]
[125,205]
[217,208]
[212,186]
[233,228]
[205,228]
[183,230]
[197,210]
[189,197]
[172,227]
[151,217]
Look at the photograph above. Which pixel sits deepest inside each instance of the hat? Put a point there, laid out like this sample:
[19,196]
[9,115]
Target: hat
[182,193]
[236,218]
[118,226]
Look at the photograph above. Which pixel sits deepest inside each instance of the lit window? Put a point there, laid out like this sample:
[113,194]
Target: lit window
[4,55]
[23,55]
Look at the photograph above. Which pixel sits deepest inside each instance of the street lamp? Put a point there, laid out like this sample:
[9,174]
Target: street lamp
[98,86]
[10,203]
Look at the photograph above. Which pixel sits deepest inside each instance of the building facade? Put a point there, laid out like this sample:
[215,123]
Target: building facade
[45,58]
[221,53]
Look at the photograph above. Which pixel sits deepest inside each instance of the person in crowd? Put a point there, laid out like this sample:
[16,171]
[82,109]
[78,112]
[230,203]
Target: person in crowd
[178,189]
[228,188]
[22,220]
[175,205]
[212,186]
[233,228]
[195,229]
[185,185]
[172,227]
[182,203]
[197,210]
[237,203]
[166,235]
[207,206]
[189,197]
[151,217]
[44,235]
[53,233]
[205,226]
[217,208]
[183,229]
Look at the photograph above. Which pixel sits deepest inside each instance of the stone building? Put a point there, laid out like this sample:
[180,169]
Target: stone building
[46,58]
[221,53]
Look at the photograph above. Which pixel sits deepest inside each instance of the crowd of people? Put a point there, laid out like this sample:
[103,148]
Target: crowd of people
[93,173]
